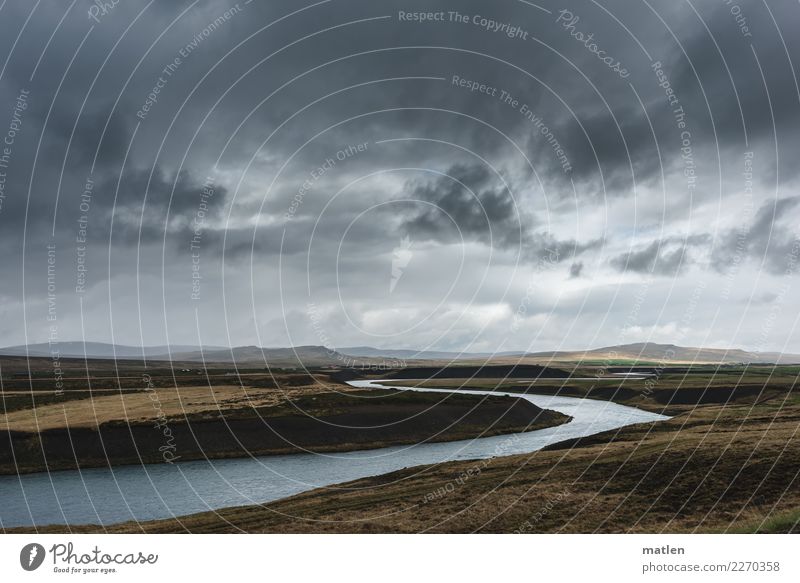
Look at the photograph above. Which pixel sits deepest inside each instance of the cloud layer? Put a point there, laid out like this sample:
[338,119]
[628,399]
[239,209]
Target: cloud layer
[211,170]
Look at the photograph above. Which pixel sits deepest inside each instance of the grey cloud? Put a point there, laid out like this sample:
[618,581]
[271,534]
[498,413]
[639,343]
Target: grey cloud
[611,155]
[469,202]
[770,239]
[466,202]
[667,257]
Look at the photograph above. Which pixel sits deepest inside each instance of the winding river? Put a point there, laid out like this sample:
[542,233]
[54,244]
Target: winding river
[110,495]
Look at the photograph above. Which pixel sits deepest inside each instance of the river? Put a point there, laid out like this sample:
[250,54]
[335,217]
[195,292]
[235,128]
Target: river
[110,495]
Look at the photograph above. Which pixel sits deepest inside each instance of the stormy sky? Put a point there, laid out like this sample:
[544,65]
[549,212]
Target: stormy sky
[462,175]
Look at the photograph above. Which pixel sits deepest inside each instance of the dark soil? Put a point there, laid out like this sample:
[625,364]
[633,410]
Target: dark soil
[527,371]
[731,469]
[325,422]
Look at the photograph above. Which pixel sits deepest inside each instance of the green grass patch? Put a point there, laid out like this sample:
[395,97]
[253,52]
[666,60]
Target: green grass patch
[778,523]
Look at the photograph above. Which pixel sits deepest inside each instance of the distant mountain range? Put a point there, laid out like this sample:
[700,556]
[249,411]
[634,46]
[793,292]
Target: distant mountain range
[641,351]
[80,349]
[178,352]
[308,355]
[365,355]
[654,352]
[281,357]
[405,354]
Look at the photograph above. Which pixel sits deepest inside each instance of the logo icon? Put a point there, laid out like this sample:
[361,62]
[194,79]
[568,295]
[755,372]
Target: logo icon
[401,256]
[31,556]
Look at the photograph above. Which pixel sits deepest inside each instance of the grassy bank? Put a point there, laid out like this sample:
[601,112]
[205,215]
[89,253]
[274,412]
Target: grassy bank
[726,462]
[708,471]
[316,422]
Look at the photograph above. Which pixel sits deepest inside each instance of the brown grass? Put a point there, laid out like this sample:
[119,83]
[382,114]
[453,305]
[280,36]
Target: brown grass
[141,406]
[712,470]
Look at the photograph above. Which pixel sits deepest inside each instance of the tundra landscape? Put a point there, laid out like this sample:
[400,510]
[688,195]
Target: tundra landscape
[341,267]
[723,458]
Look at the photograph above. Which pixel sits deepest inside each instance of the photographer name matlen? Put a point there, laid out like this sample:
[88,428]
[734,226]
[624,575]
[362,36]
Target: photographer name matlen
[665,550]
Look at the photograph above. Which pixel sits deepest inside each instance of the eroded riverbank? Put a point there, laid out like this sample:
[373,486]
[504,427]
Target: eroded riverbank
[142,493]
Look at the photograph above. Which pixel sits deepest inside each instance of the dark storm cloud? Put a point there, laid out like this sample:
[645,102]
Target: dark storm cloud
[722,83]
[543,248]
[771,240]
[148,205]
[728,69]
[71,129]
[101,138]
[667,257]
[467,203]
[608,151]
[102,131]
[652,259]
[83,122]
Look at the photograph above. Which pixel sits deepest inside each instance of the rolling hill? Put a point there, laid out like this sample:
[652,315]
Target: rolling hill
[364,355]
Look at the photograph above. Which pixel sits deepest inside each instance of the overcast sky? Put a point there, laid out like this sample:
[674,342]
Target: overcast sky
[463,175]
